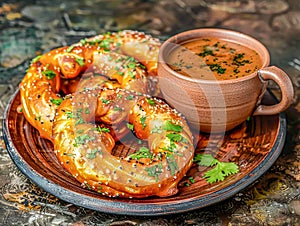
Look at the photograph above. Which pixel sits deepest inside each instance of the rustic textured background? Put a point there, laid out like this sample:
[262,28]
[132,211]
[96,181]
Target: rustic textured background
[28,28]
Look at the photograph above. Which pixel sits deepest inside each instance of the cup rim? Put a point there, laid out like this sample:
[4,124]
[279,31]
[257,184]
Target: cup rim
[184,36]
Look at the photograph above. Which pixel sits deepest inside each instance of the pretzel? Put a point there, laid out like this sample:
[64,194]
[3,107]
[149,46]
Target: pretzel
[64,69]
[84,144]
[142,47]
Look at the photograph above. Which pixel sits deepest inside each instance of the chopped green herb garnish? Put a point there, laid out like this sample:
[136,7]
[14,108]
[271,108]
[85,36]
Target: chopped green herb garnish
[129,97]
[120,73]
[69,115]
[217,68]
[176,137]
[156,130]
[130,126]
[105,101]
[80,131]
[143,121]
[82,139]
[236,71]
[169,126]
[172,164]
[35,59]
[56,101]
[238,59]
[92,153]
[106,43]
[142,153]
[170,148]
[103,129]
[70,48]
[49,74]
[80,61]
[131,65]
[131,74]
[155,171]
[192,180]
[206,52]
[83,41]
[150,101]
[79,121]
[118,109]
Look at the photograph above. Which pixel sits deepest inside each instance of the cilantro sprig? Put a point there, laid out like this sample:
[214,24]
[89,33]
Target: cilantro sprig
[220,169]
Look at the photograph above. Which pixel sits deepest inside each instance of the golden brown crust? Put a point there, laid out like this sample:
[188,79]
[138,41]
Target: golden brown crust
[143,47]
[88,124]
[85,151]
[63,69]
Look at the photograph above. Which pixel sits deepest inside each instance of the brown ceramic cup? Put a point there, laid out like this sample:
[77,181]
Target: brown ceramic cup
[221,105]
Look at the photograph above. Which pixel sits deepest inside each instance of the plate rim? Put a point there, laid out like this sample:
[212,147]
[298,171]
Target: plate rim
[132,208]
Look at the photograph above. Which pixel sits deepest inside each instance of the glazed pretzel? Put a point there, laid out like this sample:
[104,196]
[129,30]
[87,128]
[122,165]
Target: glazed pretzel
[64,68]
[84,147]
[142,47]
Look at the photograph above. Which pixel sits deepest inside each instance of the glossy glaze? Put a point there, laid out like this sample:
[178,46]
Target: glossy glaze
[254,146]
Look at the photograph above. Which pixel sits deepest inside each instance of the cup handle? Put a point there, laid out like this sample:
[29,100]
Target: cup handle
[285,85]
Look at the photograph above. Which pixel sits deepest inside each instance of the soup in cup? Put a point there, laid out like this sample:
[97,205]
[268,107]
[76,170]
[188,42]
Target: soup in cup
[216,78]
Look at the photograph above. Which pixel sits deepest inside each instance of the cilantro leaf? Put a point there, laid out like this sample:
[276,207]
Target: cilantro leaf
[205,160]
[176,137]
[220,169]
[229,168]
[169,126]
[214,175]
